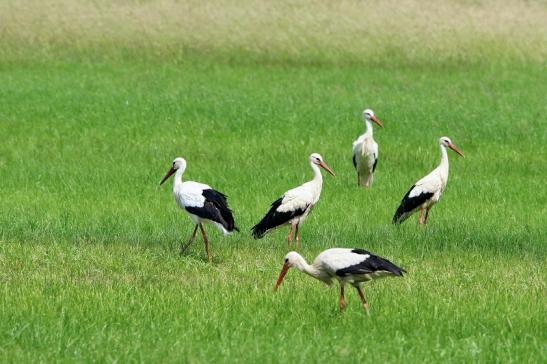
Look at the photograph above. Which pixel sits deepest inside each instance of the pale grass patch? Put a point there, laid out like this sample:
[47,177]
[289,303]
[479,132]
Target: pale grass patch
[343,30]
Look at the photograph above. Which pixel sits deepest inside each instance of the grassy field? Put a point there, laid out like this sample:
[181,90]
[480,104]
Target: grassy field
[89,264]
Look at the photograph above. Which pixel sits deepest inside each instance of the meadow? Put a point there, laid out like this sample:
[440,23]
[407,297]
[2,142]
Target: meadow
[99,98]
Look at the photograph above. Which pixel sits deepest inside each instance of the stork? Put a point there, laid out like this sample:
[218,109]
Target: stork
[202,203]
[353,266]
[426,192]
[365,151]
[295,205]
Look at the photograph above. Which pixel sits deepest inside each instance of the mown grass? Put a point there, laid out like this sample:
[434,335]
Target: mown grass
[89,259]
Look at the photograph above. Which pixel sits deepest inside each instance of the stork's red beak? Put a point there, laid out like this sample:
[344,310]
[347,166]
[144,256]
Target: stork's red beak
[326,168]
[169,173]
[284,271]
[453,147]
[375,119]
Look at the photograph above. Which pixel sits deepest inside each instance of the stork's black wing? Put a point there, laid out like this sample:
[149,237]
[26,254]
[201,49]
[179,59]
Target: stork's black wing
[375,163]
[370,264]
[275,218]
[215,208]
[410,204]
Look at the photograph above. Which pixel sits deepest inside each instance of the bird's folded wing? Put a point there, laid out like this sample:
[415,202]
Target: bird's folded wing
[368,264]
[293,203]
[336,261]
[192,199]
[354,153]
[192,193]
[428,184]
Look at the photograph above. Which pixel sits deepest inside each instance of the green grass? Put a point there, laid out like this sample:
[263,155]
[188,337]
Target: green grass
[88,260]
[90,123]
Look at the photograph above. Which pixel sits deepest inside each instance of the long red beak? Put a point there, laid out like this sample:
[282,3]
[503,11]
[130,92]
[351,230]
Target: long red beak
[453,147]
[284,271]
[169,173]
[375,119]
[326,168]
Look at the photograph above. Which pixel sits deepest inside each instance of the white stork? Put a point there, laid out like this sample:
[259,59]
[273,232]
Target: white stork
[201,203]
[353,266]
[427,191]
[365,151]
[293,207]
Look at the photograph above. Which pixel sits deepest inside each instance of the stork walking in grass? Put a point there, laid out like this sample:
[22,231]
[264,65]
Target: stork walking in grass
[426,192]
[295,205]
[202,203]
[365,151]
[353,266]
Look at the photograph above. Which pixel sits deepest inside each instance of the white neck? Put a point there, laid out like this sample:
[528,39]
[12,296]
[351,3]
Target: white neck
[443,166]
[317,176]
[178,178]
[368,125]
[303,266]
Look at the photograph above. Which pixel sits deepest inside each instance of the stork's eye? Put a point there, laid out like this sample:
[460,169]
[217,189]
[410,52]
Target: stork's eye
[286,260]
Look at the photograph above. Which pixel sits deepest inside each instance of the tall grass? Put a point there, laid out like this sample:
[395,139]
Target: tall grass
[311,31]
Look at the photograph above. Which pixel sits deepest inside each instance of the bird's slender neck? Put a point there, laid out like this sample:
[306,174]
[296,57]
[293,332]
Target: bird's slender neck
[444,159]
[310,270]
[368,126]
[317,176]
[178,178]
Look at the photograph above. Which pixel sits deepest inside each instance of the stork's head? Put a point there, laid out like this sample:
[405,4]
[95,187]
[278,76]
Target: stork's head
[178,164]
[445,141]
[315,158]
[369,116]
[292,259]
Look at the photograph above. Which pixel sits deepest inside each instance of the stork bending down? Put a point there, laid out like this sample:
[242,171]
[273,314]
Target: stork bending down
[353,266]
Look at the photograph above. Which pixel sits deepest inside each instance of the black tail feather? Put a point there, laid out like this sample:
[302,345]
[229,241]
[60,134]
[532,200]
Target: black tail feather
[409,205]
[374,263]
[400,215]
[219,200]
[268,221]
[274,219]
[388,266]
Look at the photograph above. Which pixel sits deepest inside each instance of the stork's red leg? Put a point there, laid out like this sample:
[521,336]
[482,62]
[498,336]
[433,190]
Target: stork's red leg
[420,217]
[297,235]
[363,299]
[206,242]
[289,238]
[190,241]
[342,300]
[427,214]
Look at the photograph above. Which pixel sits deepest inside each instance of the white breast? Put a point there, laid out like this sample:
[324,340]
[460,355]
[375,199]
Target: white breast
[365,151]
